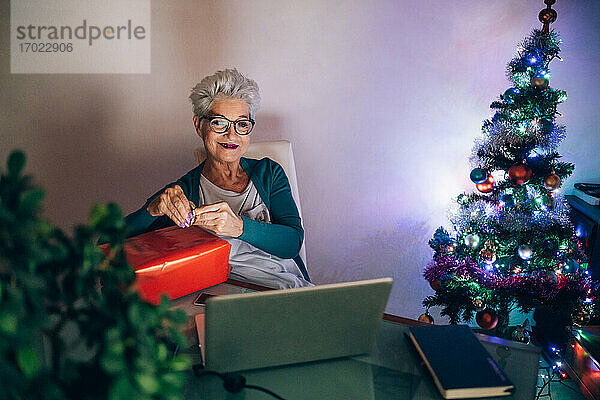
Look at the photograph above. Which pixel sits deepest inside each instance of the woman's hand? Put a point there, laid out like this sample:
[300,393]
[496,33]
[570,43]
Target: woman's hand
[172,203]
[220,219]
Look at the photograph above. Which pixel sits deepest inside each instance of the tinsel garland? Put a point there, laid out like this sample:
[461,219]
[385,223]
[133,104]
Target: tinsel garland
[499,137]
[488,217]
[539,289]
[444,264]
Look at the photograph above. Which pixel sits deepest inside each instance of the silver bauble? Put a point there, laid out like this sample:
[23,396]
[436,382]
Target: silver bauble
[582,317]
[472,240]
[525,251]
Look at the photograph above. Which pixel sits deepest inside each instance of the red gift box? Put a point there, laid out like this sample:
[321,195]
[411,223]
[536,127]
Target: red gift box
[176,262]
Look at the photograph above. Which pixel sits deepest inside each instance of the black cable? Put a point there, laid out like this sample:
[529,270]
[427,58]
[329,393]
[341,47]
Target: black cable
[547,383]
[569,386]
[262,389]
[552,380]
[233,383]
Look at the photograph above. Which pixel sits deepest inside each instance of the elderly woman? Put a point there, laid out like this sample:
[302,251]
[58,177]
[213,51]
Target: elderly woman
[245,201]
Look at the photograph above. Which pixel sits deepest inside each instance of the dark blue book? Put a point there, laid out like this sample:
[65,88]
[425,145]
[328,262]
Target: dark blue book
[461,367]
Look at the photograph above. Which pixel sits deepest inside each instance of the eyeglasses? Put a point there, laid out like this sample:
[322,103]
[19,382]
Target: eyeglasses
[242,127]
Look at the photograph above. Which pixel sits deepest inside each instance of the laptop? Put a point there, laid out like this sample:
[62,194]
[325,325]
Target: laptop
[279,327]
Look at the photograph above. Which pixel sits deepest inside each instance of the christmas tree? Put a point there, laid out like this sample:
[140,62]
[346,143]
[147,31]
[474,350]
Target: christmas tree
[513,246]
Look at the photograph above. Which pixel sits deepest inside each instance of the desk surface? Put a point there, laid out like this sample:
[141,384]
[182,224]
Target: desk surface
[391,371]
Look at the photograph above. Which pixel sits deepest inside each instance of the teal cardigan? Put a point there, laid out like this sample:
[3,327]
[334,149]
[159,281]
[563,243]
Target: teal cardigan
[282,238]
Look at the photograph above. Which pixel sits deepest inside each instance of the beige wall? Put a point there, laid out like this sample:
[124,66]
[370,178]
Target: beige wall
[381,101]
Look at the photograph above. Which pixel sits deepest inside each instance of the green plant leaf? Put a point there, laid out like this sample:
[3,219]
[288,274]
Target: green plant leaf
[97,214]
[181,363]
[15,163]
[8,323]
[112,363]
[162,352]
[106,217]
[122,389]
[28,361]
[174,379]
[148,383]
[31,200]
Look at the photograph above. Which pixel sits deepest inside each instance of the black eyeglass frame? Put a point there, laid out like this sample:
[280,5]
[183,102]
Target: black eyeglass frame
[229,122]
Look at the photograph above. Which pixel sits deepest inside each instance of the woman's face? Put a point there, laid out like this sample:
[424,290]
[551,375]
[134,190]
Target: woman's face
[229,146]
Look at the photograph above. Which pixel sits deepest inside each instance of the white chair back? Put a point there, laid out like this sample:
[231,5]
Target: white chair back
[279,151]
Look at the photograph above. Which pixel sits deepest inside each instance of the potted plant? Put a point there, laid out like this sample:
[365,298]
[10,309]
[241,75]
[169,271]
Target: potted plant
[71,323]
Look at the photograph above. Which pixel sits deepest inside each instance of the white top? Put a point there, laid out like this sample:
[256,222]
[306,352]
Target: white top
[249,263]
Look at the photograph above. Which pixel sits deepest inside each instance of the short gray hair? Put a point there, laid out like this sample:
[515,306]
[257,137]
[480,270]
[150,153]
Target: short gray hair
[226,84]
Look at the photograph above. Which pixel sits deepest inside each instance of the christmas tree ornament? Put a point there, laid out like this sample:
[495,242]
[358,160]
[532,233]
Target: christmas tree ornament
[511,94]
[478,175]
[507,200]
[435,284]
[479,304]
[551,276]
[522,333]
[486,186]
[487,318]
[571,266]
[540,79]
[426,317]
[520,173]
[552,182]
[472,240]
[547,16]
[525,251]
[488,255]
[581,317]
